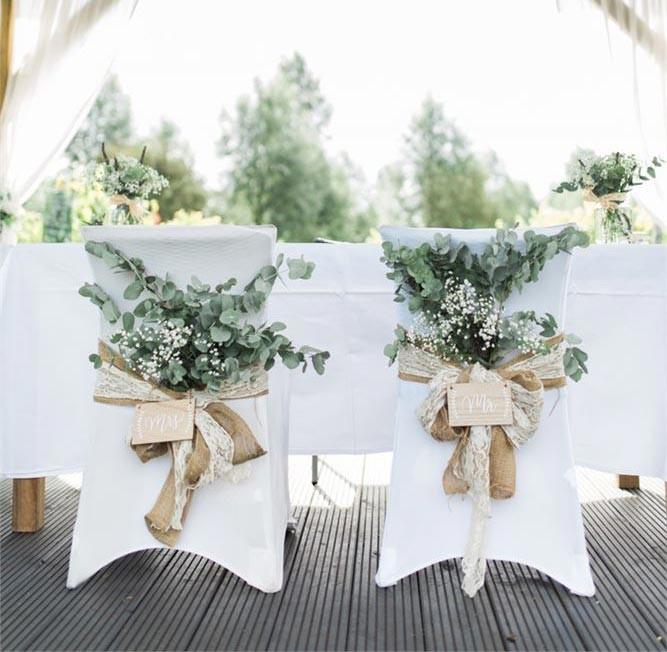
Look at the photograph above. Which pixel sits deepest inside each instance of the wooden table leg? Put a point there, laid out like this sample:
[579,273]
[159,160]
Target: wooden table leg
[28,504]
[628,482]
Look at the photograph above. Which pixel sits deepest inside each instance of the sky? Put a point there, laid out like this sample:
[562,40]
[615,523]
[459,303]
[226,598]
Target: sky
[517,76]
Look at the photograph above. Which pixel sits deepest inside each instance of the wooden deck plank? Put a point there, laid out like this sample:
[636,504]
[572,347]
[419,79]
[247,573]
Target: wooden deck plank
[89,616]
[634,558]
[175,601]
[609,620]
[322,609]
[234,602]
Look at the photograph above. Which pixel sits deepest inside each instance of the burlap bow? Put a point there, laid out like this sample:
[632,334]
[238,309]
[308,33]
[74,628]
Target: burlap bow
[222,439]
[483,462]
[135,206]
[611,200]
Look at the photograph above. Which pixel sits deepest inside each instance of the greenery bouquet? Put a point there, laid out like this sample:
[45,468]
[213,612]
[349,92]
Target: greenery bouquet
[458,298]
[197,338]
[606,181]
[128,182]
[183,357]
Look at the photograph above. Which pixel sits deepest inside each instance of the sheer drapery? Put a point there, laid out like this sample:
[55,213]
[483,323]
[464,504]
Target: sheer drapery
[644,22]
[62,51]
[637,33]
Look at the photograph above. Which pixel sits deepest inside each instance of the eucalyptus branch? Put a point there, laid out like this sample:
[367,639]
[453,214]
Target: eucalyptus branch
[501,268]
[203,330]
[102,300]
[458,297]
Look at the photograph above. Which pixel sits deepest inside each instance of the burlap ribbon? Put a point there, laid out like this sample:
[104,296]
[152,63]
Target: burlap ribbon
[483,462]
[611,200]
[222,439]
[135,206]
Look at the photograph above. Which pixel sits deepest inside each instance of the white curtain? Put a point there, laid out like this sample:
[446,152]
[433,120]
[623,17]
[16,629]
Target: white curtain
[62,52]
[642,34]
[637,33]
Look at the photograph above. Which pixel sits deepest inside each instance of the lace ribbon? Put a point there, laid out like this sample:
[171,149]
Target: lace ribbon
[207,457]
[468,470]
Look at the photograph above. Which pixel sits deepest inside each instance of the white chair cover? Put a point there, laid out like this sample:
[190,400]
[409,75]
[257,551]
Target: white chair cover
[541,525]
[240,526]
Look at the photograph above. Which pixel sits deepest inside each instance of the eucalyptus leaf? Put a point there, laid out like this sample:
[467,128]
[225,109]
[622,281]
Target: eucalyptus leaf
[110,311]
[128,321]
[96,360]
[220,333]
[133,290]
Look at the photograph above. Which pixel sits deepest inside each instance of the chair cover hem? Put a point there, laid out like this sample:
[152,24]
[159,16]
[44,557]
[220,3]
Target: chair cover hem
[584,587]
[85,575]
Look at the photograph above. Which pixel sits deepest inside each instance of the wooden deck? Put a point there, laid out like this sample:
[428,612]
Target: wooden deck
[164,600]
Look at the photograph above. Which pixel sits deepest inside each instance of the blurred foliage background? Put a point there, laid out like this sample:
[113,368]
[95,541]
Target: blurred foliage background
[275,167]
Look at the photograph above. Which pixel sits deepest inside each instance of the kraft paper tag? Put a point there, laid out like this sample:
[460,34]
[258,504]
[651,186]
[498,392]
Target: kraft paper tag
[479,404]
[163,421]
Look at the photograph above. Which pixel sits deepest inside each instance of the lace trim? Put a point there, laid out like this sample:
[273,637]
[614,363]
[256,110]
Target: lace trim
[115,385]
[473,465]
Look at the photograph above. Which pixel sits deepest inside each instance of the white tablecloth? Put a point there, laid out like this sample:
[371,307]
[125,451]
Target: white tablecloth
[617,302]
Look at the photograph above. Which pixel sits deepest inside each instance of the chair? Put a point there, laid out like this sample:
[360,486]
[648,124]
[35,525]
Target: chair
[541,525]
[240,526]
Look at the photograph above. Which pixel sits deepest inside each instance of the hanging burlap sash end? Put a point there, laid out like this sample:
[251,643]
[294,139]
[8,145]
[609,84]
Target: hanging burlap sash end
[483,462]
[222,439]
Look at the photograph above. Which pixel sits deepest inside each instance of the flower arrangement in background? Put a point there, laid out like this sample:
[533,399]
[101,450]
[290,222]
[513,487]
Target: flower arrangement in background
[606,181]
[199,338]
[9,210]
[458,298]
[127,182]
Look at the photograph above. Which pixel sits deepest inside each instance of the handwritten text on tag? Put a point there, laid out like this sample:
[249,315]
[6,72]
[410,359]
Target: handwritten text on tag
[163,421]
[479,404]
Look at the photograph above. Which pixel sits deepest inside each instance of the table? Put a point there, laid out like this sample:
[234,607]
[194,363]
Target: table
[617,303]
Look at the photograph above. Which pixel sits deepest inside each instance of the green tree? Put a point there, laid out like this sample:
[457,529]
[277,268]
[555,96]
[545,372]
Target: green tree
[172,157]
[109,120]
[442,182]
[278,170]
[57,216]
[511,200]
[389,199]
[448,181]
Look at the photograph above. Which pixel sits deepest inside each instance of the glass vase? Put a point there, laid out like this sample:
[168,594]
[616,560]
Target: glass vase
[124,213]
[612,225]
